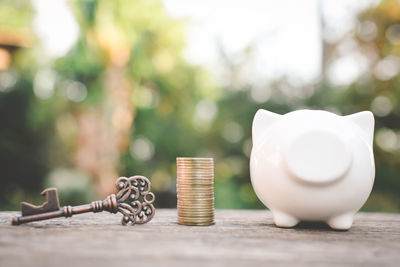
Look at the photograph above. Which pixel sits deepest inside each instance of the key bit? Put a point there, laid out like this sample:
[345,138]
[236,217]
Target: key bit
[133,199]
[51,203]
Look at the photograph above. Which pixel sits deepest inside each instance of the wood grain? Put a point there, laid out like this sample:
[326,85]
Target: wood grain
[239,238]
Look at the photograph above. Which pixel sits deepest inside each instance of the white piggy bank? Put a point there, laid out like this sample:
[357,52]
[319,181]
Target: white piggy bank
[312,165]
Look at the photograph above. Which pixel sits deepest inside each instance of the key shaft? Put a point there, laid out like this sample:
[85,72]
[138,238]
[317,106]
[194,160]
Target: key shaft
[109,204]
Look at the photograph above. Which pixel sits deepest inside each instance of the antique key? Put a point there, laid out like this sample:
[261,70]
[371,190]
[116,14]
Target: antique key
[133,199]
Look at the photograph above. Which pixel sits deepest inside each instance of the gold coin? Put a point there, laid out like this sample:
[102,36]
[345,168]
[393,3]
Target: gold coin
[189,174]
[196,219]
[193,179]
[195,222]
[207,188]
[194,163]
[188,202]
[203,215]
[199,193]
[194,166]
[204,187]
[193,159]
[195,198]
[189,209]
[196,210]
[195,183]
[191,169]
[191,220]
[196,216]
[194,194]
[196,213]
[197,188]
[183,192]
[200,215]
[195,176]
[195,207]
[194,169]
[196,203]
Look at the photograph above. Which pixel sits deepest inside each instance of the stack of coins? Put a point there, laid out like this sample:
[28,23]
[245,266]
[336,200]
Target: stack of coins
[195,191]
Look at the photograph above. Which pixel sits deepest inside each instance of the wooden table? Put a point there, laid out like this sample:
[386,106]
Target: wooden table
[239,238]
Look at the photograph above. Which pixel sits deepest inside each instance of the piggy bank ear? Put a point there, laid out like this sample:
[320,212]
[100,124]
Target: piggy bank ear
[365,120]
[261,122]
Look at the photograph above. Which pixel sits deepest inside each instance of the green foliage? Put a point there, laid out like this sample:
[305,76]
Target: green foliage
[15,14]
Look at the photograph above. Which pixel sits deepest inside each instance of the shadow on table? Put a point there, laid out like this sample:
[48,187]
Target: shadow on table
[306,226]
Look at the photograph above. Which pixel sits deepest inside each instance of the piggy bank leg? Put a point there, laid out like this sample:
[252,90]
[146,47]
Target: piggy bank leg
[341,222]
[285,220]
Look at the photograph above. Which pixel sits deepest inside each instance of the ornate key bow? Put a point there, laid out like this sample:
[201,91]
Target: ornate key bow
[133,199]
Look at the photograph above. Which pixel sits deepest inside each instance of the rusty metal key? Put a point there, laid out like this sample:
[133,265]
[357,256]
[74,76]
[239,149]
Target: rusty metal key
[133,199]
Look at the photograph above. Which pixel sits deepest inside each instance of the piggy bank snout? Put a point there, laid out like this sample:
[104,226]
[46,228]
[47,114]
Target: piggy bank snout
[317,156]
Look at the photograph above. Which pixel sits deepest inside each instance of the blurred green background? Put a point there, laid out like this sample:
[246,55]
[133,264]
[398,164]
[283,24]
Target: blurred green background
[124,100]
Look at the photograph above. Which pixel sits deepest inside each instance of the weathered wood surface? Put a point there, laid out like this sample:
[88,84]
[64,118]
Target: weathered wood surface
[239,237]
